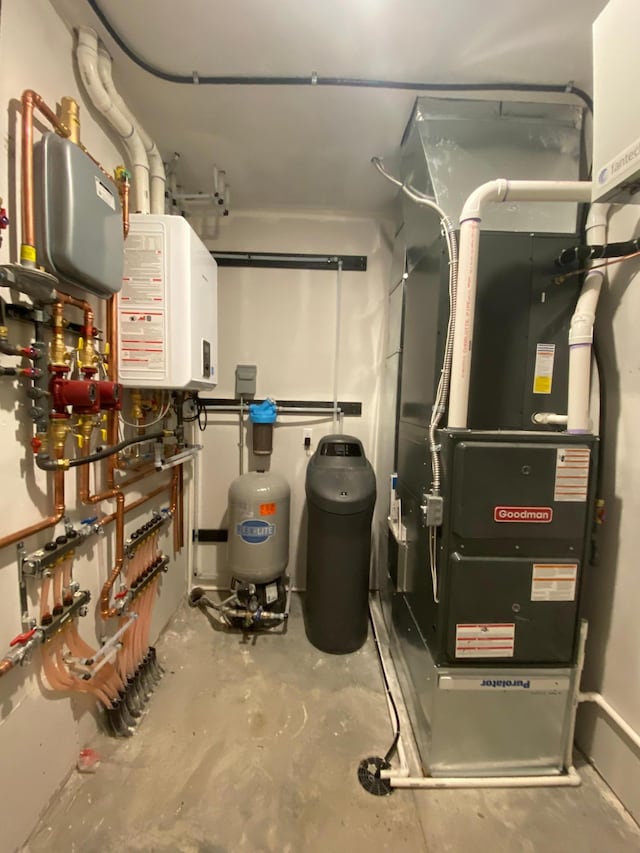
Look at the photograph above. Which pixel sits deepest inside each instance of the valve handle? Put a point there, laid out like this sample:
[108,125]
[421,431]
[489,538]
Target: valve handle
[21,639]
[121,595]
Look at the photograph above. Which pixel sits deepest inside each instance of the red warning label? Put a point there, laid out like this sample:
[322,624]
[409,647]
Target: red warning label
[523,514]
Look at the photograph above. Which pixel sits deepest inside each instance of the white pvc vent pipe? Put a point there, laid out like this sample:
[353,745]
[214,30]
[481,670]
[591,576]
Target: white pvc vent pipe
[494,191]
[87,56]
[581,330]
[157,174]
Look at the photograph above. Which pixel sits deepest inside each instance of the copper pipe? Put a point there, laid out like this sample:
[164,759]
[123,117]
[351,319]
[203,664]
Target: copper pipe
[107,519]
[45,609]
[84,306]
[31,100]
[105,611]
[112,335]
[45,523]
[57,588]
[122,177]
[88,498]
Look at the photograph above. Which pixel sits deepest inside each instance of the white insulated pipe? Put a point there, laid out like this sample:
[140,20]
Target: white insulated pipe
[497,191]
[157,176]
[570,779]
[581,330]
[87,56]
[549,418]
[613,715]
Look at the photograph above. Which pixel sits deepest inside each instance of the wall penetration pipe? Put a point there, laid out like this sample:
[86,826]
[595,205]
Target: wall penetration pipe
[581,330]
[497,191]
[613,715]
[87,55]
[157,174]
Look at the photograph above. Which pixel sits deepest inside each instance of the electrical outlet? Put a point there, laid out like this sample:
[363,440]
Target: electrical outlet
[307,435]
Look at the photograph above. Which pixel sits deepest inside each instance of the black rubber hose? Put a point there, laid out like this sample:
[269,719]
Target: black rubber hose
[348,82]
[8,371]
[580,254]
[46,463]
[387,687]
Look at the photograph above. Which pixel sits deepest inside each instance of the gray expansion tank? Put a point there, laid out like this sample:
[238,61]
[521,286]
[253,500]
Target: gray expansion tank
[341,494]
[258,548]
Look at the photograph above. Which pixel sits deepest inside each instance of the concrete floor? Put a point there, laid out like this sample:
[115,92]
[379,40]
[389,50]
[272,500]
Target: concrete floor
[253,746]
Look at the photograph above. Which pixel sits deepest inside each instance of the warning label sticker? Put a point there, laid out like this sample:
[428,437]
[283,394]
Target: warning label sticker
[143,276]
[543,371]
[485,640]
[554,581]
[572,474]
[103,192]
[142,340]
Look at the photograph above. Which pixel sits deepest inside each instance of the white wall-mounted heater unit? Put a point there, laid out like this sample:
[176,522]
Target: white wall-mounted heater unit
[168,325]
[616,119]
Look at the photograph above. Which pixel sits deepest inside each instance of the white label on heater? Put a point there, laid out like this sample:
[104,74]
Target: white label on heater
[485,640]
[572,474]
[554,582]
[143,275]
[543,371]
[142,340]
[105,194]
[271,593]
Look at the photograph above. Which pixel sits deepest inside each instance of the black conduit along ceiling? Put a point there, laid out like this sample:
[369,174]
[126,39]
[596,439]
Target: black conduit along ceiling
[198,79]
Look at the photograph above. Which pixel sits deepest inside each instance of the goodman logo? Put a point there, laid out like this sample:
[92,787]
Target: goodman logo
[506,683]
[523,514]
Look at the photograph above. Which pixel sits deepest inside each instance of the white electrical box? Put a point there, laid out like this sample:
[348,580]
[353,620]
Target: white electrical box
[168,305]
[616,119]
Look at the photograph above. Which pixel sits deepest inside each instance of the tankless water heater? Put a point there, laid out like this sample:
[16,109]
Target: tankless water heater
[168,328]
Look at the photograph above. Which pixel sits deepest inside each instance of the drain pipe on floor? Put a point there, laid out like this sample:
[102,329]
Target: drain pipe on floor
[388,778]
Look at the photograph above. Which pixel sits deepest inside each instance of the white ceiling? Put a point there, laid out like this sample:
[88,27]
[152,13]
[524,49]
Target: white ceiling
[304,147]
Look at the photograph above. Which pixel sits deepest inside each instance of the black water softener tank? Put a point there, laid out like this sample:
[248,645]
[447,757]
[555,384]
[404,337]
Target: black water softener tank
[341,494]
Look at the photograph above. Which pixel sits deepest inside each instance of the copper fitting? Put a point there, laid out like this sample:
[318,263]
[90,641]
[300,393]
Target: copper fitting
[136,405]
[58,431]
[85,426]
[87,355]
[5,666]
[69,116]
[58,353]
[123,179]
[45,523]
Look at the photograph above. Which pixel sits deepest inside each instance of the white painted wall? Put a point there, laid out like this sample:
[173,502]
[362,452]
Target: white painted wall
[284,322]
[41,732]
[613,586]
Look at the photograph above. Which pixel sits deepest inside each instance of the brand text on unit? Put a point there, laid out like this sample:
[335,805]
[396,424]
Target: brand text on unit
[526,514]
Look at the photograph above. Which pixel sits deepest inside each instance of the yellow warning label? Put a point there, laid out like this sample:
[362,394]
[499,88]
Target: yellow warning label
[543,370]
[542,385]
[27,253]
